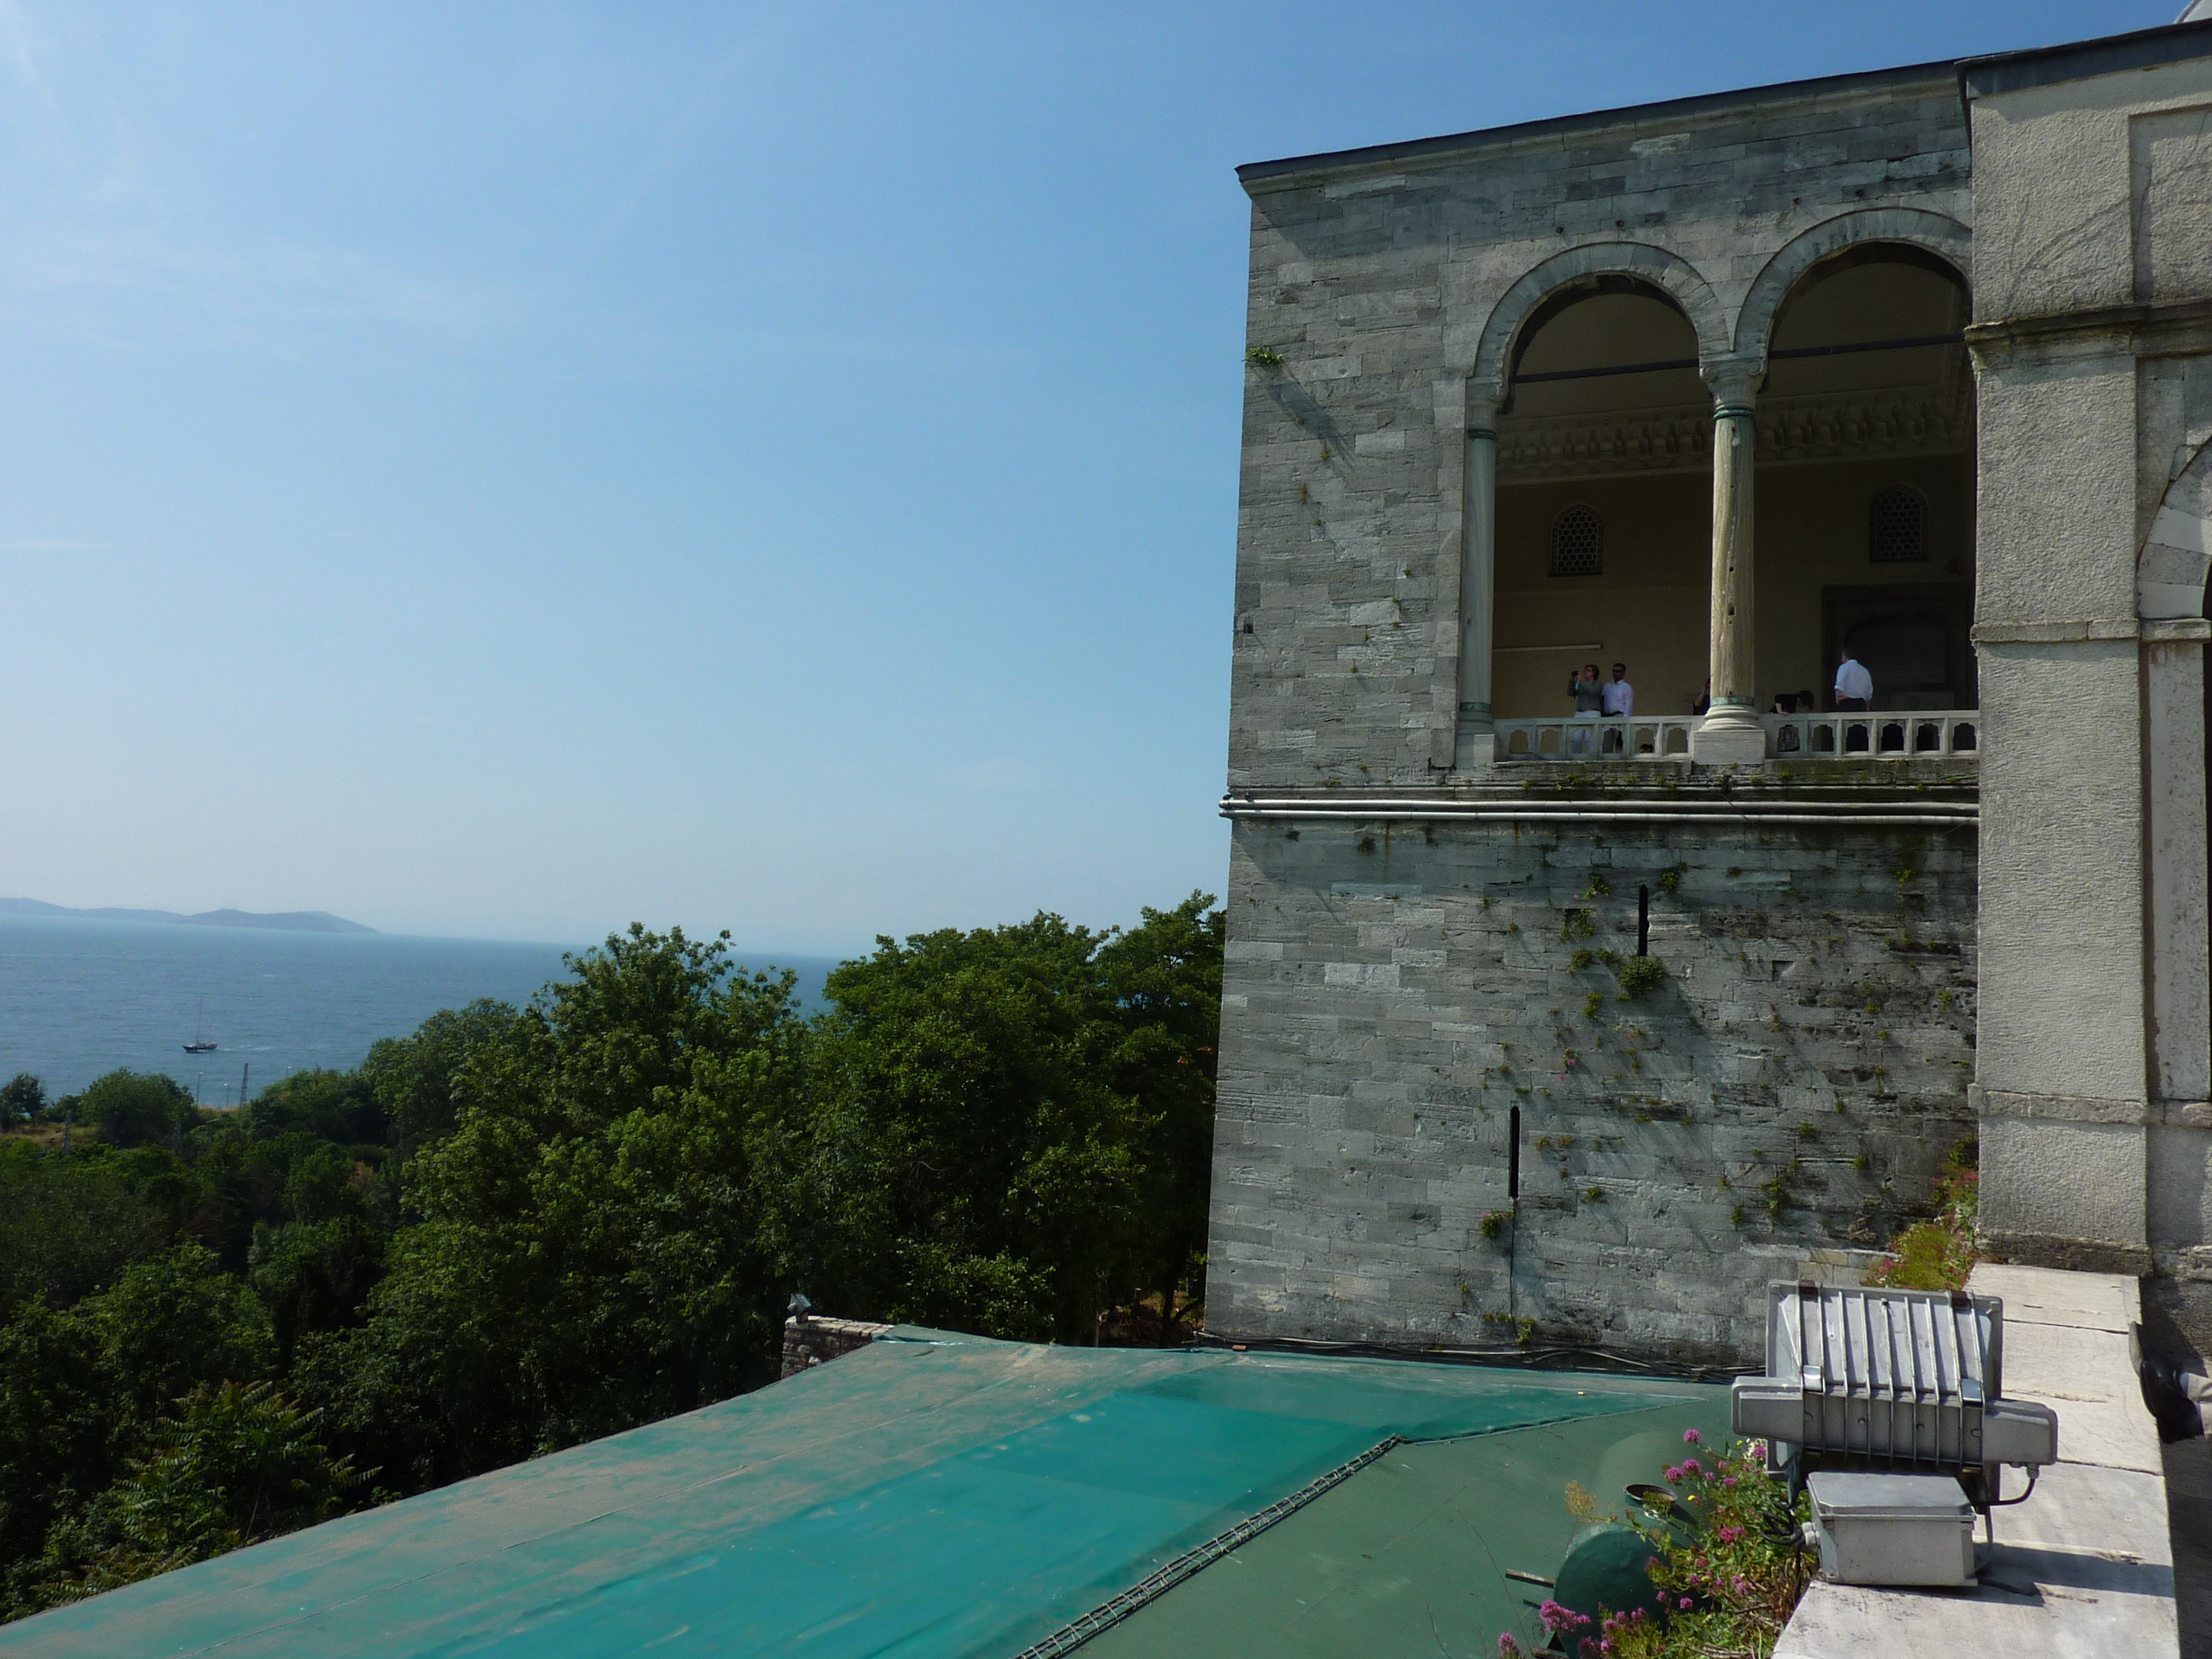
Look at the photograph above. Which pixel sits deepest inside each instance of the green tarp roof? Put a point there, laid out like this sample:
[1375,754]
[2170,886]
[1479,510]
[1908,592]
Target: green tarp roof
[931,1494]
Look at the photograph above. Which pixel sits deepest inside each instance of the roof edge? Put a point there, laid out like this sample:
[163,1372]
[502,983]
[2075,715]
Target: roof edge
[2078,60]
[1253,173]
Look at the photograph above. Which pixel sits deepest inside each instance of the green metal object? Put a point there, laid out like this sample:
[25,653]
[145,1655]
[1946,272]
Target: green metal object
[1604,1572]
[933,1494]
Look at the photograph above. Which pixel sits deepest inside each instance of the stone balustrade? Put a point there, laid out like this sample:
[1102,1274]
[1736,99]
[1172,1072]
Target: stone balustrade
[1885,734]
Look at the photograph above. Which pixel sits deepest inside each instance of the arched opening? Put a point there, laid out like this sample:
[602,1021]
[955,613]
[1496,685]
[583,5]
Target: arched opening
[1603,508]
[1865,501]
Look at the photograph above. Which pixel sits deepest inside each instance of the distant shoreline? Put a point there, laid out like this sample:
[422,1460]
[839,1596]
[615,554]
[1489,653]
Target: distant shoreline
[288,922]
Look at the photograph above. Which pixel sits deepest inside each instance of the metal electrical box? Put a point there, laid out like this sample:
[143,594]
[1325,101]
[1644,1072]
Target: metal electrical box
[1892,1528]
[1891,1380]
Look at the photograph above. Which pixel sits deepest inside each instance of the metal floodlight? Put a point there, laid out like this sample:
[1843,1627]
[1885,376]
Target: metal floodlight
[1894,1387]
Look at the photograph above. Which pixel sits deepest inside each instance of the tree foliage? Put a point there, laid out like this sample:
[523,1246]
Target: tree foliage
[516,1228]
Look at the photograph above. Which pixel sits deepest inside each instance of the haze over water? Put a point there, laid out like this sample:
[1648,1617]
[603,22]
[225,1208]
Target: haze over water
[80,998]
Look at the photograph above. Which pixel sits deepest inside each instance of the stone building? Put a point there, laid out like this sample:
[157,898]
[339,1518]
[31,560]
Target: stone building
[1546,1029]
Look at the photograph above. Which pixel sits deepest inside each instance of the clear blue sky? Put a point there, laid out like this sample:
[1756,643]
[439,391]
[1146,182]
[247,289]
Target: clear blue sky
[506,470]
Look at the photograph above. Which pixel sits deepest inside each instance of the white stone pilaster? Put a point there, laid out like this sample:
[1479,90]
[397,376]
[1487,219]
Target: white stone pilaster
[2180,915]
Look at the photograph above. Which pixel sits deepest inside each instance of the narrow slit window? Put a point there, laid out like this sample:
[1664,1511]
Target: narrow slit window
[1579,543]
[1897,526]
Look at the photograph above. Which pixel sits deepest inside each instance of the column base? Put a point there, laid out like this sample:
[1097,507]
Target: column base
[1723,741]
[1475,751]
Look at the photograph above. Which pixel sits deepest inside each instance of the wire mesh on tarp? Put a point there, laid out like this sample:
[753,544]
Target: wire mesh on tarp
[927,1495]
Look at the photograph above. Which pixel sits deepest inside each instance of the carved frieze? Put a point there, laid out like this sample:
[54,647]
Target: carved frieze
[1917,421]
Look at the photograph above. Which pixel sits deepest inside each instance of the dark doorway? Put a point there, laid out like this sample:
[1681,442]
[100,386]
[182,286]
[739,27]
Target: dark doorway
[1913,639]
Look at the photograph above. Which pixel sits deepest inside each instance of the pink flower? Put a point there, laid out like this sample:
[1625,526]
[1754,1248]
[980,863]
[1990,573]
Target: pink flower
[1729,1480]
[1686,1604]
[1561,1620]
[1743,1587]
[1690,1466]
[1674,1475]
[1730,1535]
[1690,1437]
[1507,1647]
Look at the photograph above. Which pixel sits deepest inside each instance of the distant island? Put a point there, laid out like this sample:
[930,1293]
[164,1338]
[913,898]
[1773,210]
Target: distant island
[290,921]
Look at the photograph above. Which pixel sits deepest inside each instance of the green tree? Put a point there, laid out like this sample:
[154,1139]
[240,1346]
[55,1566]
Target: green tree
[313,1276]
[341,1107]
[968,1161]
[420,1081]
[175,1322]
[67,1225]
[587,1255]
[1163,979]
[64,1422]
[131,1108]
[236,1463]
[23,1097]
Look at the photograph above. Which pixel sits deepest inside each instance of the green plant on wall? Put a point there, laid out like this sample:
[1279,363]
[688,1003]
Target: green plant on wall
[1495,1225]
[1670,880]
[1776,1191]
[1523,1330]
[1261,357]
[1938,1254]
[1640,976]
[1577,924]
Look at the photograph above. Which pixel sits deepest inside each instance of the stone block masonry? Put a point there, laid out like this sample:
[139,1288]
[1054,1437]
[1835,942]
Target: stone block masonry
[1397,987]
[810,1340]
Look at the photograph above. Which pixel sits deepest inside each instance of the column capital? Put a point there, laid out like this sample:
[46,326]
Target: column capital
[1734,382]
[1484,398]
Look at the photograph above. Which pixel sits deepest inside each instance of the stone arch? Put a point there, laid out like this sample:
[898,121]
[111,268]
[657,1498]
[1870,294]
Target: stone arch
[1653,267]
[1932,232]
[2170,564]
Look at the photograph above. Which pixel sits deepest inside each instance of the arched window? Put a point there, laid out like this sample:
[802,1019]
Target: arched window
[1577,543]
[1897,526]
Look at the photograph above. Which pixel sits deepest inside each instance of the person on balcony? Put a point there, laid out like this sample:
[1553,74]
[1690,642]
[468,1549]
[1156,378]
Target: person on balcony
[1786,741]
[1589,704]
[1617,698]
[1854,694]
[1854,685]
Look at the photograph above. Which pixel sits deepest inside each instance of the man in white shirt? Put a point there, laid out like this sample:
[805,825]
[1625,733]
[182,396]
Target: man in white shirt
[1854,685]
[1619,697]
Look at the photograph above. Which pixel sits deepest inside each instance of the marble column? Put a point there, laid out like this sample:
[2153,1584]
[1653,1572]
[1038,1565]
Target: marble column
[1476,745]
[1730,730]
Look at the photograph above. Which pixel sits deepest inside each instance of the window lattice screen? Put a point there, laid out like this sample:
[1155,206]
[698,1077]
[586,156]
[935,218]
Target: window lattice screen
[1579,543]
[1897,526]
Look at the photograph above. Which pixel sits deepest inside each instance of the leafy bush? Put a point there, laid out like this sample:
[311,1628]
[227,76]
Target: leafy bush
[239,1463]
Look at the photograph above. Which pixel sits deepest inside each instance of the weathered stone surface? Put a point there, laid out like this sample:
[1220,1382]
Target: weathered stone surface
[1395,990]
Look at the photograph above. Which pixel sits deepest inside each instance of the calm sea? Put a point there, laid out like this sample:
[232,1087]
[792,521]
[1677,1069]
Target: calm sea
[80,998]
